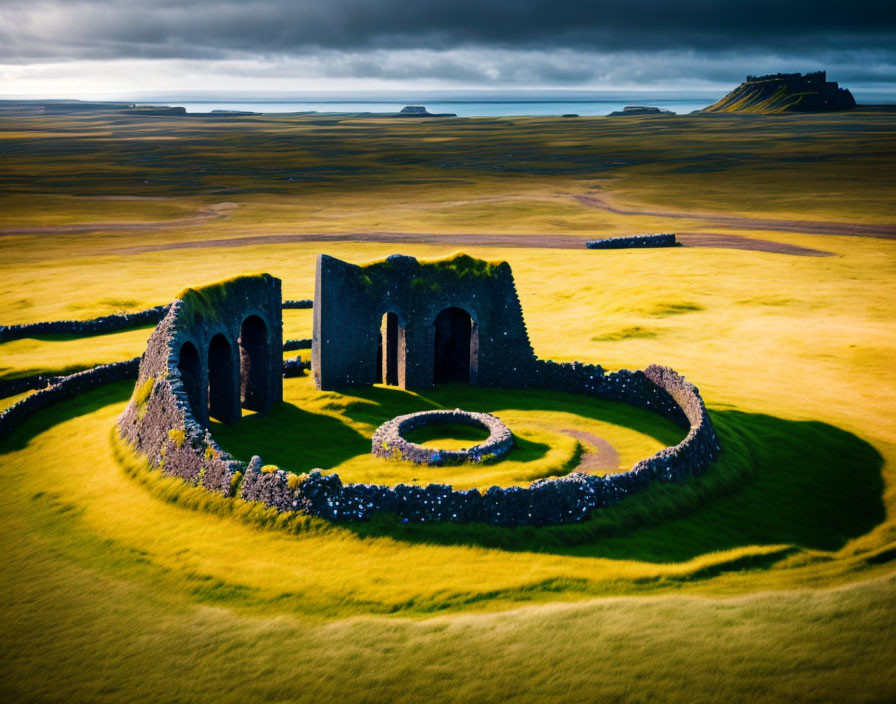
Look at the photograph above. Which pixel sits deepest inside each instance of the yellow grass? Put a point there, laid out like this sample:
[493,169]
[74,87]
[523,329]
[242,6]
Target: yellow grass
[775,584]
[332,431]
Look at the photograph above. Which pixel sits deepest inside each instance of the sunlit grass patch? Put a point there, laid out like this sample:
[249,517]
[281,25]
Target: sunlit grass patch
[675,308]
[64,354]
[630,332]
[332,431]
[447,436]
[764,579]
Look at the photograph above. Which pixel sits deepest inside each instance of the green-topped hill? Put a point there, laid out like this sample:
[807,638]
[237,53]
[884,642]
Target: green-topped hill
[785,92]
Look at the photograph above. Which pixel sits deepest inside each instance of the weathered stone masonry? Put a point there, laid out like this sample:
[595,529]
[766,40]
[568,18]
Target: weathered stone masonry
[389,440]
[351,302]
[218,349]
[160,420]
[633,242]
[94,326]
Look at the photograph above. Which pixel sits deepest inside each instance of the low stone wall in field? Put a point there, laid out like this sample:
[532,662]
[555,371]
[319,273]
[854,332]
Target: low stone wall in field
[116,322]
[633,242]
[94,326]
[293,345]
[567,499]
[11,387]
[65,387]
[295,366]
[290,304]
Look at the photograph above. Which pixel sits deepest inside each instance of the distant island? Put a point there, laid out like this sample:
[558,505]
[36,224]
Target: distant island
[421,111]
[785,92]
[633,110]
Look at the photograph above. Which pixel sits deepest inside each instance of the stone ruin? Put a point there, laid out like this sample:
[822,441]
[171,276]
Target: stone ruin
[412,325]
[218,350]
[389,439]
[634,242]
[403,322]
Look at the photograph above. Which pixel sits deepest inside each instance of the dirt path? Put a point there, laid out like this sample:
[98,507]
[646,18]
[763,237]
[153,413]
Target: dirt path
[739,222]
[602,458]
[206,213]
[473,240]
[601,202]
[722,241]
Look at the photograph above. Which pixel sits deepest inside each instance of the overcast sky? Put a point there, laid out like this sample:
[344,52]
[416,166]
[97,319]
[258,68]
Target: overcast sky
[127,47]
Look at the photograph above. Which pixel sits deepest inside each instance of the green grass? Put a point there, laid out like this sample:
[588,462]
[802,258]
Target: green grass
[64,354]
[768,579]
[135,552]
[332,431]
[450,436]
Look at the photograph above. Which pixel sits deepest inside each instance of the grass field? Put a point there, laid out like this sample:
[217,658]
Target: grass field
[771,578]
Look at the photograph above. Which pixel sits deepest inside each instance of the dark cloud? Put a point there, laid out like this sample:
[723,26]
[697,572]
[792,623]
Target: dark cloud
[568,42]
[107,28]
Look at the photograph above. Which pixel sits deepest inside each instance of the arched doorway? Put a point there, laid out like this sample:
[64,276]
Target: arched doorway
[191,375]
[223,403]
[455,348]
[255,365]
[390,358]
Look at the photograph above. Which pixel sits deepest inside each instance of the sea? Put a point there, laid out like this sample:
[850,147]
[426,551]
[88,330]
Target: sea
[463,108]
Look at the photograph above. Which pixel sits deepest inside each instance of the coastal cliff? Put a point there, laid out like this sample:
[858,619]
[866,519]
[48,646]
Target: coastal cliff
[785,92]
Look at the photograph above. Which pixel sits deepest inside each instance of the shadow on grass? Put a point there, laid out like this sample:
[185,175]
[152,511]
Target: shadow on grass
[71,336]
[804,483]
[299,440]
[44,419]
[808,484]
[778,482]
[291,438]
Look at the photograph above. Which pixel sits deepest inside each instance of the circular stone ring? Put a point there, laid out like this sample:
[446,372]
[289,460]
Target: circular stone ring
[389,441]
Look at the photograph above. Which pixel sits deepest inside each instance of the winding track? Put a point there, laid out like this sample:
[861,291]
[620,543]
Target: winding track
[538,241]
[740,222]
[688,239]
[602,457]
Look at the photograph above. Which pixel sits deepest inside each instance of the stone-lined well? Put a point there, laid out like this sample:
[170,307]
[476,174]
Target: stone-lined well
[389,440]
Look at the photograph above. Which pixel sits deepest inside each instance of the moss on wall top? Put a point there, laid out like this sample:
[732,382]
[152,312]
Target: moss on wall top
[209,300]
[459,264]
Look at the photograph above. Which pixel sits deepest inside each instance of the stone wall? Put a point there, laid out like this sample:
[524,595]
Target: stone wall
[11,387]
[295,366]
[165,419]
[293,345]
[633,242]
[567,499]
[389,441]
[65,387]
[167,415]
[95,326]
[351,300]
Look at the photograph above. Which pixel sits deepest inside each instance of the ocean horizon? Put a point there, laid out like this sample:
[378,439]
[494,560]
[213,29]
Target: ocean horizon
[461,108]
[490,107]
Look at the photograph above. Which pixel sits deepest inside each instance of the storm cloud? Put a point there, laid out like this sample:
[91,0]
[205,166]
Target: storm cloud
[562,42]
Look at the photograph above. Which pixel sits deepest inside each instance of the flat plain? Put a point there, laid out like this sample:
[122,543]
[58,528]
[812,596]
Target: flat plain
[770,578]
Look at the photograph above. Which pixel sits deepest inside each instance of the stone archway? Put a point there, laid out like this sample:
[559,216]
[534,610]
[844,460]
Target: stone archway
[391,354]
[223,399]
[255,365]
[190,369]
[455,348]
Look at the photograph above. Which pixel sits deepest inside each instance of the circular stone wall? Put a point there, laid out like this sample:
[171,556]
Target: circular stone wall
[389,441]
[160,424]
